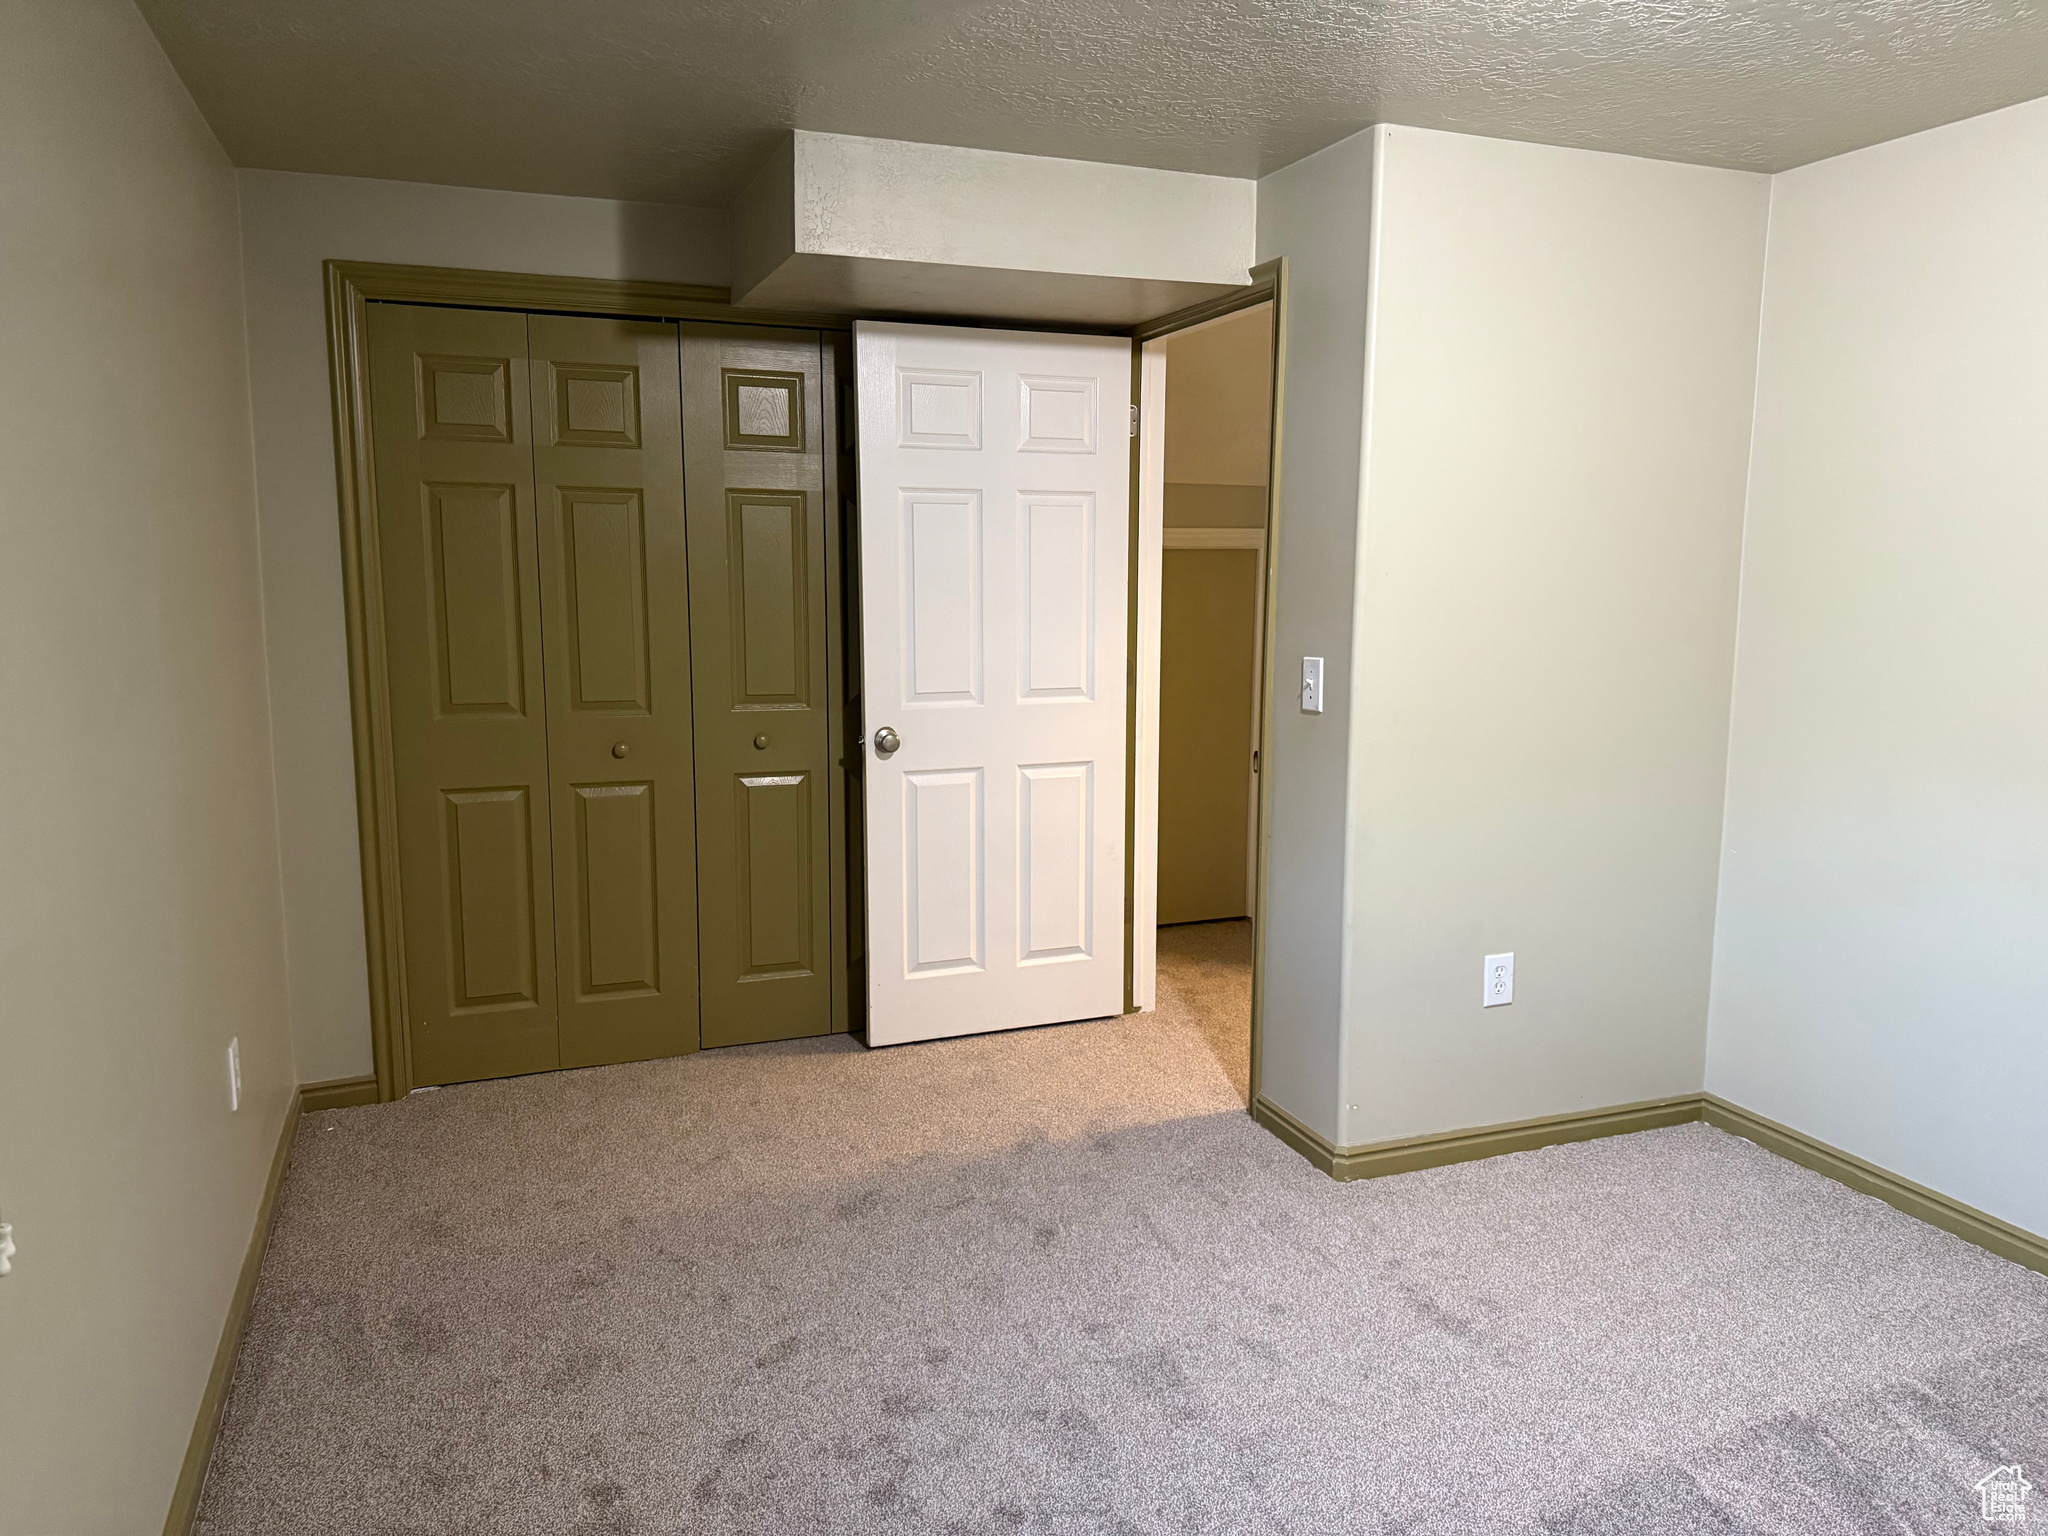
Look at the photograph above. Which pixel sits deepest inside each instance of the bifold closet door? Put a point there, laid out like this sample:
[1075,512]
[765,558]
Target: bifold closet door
[608,472]
[754,427]
[461,631]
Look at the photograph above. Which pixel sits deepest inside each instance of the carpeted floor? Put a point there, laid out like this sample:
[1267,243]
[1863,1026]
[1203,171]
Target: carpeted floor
[1057,1281]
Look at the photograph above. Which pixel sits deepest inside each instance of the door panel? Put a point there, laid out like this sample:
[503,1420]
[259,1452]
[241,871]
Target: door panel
[756,440]
[774,812]
[609,489]
[473,534]
[604,550]
[1055,804]
[462,639]
[1057,564]
[995,490]
[491,917]
[947,890]
[615,847]
[766,543]
[941,540]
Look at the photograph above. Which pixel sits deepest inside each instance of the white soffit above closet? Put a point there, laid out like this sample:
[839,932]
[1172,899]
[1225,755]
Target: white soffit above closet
[680,100]
[877,225]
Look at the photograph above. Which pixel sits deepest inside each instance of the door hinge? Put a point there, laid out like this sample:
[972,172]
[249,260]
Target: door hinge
[1134,418]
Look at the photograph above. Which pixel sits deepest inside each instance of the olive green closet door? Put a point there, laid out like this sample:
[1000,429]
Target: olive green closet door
[608,471]
[760,626]
[462,639]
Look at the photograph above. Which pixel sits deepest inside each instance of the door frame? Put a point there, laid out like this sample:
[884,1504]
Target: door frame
[351,287]
[1148,504]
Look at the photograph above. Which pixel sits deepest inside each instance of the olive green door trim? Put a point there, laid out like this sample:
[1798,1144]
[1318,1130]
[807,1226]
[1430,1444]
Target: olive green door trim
[351,287]
[629,299]
[1268,284]
[1378,1159]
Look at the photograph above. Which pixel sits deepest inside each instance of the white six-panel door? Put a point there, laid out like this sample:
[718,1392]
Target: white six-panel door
[995,492]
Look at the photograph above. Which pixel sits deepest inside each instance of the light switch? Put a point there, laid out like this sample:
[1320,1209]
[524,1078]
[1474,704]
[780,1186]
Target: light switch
[1311,685]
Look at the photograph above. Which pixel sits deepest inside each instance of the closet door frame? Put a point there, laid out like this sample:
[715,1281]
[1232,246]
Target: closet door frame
[350,288]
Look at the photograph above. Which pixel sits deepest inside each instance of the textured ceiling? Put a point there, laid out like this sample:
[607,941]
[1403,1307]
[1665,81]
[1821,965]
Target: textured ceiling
[676,100]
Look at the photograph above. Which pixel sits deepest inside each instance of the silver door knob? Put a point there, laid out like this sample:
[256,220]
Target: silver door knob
[886,740]
[620,749]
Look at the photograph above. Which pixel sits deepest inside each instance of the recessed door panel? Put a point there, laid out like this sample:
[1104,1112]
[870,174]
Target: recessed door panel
[595,405]
[463,399]
[604,551]
[764,408]
[767,544]
[1056,415]
[942,629]
[472,535]
[1055,865]
[609,470]
[944,896]
[938,408]
[758,448]
[1057,564]
[773,822]
[456,546]
[995,491]
[616,860]
[489,881]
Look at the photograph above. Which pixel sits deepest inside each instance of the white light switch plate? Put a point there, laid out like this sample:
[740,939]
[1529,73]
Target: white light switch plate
[1311,685]
[1500,980]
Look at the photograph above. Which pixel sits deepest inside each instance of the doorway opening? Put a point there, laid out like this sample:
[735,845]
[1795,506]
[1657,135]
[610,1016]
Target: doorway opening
[1209,391]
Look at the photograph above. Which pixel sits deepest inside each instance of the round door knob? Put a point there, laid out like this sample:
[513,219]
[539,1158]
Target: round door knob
[886,740]
[620,749]
[760,743]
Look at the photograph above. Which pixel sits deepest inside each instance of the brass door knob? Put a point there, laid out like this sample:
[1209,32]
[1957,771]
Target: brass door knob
[760,743]
[620,749]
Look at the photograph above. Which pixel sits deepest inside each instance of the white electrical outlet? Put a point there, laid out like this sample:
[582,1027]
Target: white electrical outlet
[1500,981]
[235,1073]
[1311,685]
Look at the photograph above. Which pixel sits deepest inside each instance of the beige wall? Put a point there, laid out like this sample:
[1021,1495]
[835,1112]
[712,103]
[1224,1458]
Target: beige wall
[291,224]
[139,908]
[1884,897]
[1317,213]
[1560,384]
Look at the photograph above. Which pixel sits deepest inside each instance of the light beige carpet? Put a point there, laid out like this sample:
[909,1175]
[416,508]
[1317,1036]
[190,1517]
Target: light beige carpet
[1058,1281]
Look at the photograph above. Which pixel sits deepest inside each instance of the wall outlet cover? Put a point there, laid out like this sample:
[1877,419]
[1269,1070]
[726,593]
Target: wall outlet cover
[1500,981]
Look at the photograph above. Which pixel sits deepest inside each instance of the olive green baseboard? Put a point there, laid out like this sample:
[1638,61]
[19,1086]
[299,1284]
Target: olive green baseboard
[1378,1159]
[1916,1200]
[341,1093]
[337,1093]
